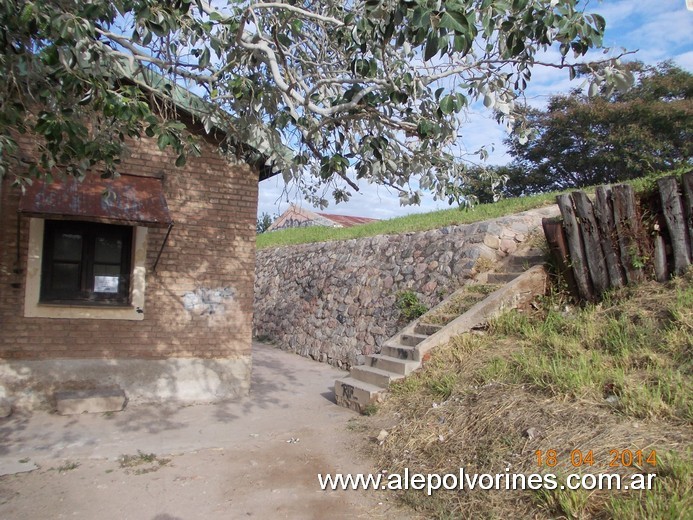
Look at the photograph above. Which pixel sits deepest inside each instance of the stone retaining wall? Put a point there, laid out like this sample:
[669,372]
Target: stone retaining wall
[335,301]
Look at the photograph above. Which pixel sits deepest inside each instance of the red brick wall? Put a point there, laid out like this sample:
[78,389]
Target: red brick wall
[211,247]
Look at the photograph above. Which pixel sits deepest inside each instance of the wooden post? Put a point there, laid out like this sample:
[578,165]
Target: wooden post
[687,183]
[629,231]
[672,207]
[603,214]
[660,257]
[577,251]
[592,241]
[555,237]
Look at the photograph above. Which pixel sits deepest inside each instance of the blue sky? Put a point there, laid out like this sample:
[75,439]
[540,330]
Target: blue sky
[657,29]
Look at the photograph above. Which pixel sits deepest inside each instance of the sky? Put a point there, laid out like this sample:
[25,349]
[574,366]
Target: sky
[657,29]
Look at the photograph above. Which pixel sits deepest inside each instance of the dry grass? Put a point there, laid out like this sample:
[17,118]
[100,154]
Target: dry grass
[612,377]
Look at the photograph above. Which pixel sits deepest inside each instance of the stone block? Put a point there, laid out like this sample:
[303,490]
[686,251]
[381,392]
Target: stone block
[98,400]
[5,408]
[508,245]
[492,241]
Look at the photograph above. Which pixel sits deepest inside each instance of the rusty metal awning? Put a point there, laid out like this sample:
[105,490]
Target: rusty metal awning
[127,200]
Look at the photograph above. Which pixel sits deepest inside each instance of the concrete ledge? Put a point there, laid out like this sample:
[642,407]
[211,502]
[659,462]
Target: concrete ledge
[32,384]
[99,400]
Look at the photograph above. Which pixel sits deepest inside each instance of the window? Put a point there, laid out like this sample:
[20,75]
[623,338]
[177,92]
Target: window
[86,263]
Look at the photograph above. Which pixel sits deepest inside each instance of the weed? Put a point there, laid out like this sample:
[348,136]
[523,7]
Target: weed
[442,388]
[567,502]
[67,466]
[369,409]
[24,461]
[354,425]
[409,305]
[483,264]
[149,461]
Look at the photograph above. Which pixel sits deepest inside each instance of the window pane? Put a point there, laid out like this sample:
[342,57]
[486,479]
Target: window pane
[65,277]
[106,270]
[108,249]
[67,246]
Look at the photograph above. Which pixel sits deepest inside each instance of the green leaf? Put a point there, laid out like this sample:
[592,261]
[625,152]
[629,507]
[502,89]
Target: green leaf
[181,160]
[455,21]
[431,48]
[600,22]
[447,105]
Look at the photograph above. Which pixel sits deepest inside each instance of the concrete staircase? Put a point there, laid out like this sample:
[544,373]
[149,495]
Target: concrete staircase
[516,280]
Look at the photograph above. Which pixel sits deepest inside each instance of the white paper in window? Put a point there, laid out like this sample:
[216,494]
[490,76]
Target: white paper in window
[106,284]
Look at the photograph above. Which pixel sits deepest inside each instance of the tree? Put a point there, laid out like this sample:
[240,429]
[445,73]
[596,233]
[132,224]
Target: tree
[264,222]
[330,92]
[580,140]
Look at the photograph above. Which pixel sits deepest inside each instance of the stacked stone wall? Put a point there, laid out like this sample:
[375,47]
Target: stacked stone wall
[335,301]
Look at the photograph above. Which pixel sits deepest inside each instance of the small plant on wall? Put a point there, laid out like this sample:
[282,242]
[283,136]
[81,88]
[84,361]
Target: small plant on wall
[409,305]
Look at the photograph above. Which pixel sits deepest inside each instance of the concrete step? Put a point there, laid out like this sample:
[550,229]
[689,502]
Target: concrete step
[97,400]
[501,277]
[427,328]
[524,262]
[374,376]
[356,395]
[392,364]
[411,340]
[395,350]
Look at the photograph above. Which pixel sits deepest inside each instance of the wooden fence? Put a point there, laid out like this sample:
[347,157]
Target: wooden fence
[612,240]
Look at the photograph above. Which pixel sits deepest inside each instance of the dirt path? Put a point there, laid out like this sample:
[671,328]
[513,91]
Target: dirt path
[230,460]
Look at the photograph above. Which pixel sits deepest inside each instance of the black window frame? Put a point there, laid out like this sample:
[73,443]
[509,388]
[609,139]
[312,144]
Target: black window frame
[84,294]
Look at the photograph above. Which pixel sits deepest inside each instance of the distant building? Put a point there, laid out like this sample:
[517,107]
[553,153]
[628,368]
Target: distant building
[296,217]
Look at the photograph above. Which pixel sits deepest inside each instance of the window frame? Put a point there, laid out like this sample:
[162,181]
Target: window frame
[85,294]
[33,308]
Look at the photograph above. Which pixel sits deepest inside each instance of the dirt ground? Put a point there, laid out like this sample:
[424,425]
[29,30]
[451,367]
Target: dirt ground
[254,458]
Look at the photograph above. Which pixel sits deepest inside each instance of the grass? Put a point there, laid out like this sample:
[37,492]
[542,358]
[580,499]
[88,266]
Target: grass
[142,463]
[613,376]
[406,224]
[427,221]
[67,466]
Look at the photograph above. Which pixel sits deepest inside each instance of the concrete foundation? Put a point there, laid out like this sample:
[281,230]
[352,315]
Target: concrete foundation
[99,400]
[31,384]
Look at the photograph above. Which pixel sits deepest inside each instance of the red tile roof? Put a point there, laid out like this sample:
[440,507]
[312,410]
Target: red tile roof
[347,221]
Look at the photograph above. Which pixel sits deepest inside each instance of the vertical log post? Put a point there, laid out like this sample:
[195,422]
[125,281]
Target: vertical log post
[672,207]
[660,257]
[603,214]
[687,184]
[577,252]
[592,241]
[629,231]
[555,237]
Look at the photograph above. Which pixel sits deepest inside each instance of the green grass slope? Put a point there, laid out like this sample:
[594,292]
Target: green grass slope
[604,386]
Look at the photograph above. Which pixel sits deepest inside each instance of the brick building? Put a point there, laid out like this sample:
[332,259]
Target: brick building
[150,291]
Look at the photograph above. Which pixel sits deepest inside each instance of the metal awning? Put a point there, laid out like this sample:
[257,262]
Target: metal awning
[127,200]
